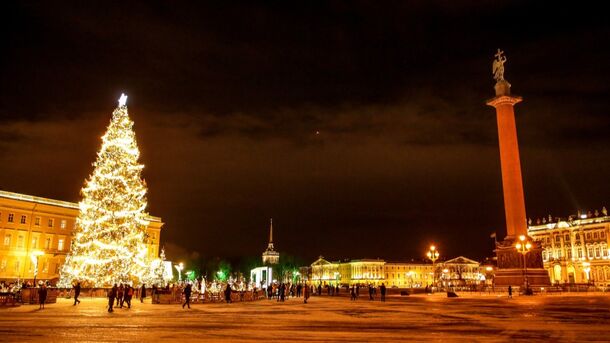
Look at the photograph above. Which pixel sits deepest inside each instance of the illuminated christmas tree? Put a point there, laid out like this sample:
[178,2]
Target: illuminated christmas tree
[109,242]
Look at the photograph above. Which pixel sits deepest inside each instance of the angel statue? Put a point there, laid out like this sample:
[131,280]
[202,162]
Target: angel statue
[498,65]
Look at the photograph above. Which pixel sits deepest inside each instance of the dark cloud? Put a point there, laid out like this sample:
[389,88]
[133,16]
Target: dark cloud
[360,127]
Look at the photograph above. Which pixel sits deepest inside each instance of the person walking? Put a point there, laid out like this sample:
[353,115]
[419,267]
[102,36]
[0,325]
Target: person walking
[510,292]
[142,293]
[112,293]
[187,295]
[320,289]
[228,291]
[299,288]
[382,290]
[42,296]
[128,295]
[306,292]
[120,295]
[76,293]
[353,293]
[282,292]
[370,292]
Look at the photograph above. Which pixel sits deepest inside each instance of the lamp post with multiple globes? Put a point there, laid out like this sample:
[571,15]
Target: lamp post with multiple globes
[523,247]
[433,256]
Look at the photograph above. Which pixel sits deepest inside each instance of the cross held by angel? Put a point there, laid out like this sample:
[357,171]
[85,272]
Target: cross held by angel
[498,66]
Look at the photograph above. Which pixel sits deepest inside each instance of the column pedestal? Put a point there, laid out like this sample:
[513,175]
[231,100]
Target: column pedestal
[510,271]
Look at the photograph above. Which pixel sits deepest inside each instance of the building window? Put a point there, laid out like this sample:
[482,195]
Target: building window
[588,235]
[22,221]
[595,235]
[51,222]
[11,217]
[7,239]
[37,221]
[590,252]
[577,236]
[45,267]
[557,239]
[63,224]
[60,244]
[597,252]
[566,238]
[579,252]
[17,266]
[35,243]
[569,253]
[47,243]
[544,255]
[20,241]
[602,235]
[3,265]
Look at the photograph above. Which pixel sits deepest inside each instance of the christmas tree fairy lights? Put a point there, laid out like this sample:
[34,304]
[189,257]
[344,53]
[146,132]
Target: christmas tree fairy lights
[109,243]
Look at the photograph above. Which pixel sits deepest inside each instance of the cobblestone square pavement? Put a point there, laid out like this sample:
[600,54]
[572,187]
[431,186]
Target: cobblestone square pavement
[470,318]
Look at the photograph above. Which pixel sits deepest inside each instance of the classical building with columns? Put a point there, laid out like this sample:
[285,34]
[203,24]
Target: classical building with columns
[39,230]
[371,272]
[575,250]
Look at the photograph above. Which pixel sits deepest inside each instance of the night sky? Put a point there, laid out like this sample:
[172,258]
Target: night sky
[360,127]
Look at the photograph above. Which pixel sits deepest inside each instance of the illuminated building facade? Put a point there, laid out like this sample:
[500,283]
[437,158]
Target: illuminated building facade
[270,256]
[264,276]
[575,251]
[460,272]
[35,230]
[371,271]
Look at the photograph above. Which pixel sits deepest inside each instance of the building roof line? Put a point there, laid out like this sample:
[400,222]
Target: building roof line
[52,202]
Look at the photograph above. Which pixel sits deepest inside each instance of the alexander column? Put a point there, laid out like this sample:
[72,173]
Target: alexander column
[517,266]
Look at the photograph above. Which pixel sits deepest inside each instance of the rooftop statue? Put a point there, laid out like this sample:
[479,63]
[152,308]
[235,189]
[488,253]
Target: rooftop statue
[498,66]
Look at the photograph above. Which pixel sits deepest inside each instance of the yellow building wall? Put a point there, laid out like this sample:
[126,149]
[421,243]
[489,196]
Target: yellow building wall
[34,225]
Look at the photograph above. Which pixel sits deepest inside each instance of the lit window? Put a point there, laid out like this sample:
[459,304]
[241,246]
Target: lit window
[22,221]
[3,265]
[34,242]
[569,253]
[17,265]
[7,239]
[579,252]
[45,267]
[63,224]
[20,241]
[37,221]
[47,243]
[60,244]
[11,217]
[51,222]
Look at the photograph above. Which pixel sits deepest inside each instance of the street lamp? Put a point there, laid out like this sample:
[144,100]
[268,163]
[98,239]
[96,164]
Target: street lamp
[523,247]
[34,257]
[179,268]
[433,256]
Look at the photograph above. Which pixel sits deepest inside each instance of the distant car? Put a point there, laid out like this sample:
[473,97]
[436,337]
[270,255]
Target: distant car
[394,286]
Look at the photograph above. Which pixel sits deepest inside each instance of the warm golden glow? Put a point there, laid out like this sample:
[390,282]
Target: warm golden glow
[109,245]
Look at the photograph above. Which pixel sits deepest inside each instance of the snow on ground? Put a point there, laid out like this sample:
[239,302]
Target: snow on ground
[415,318]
